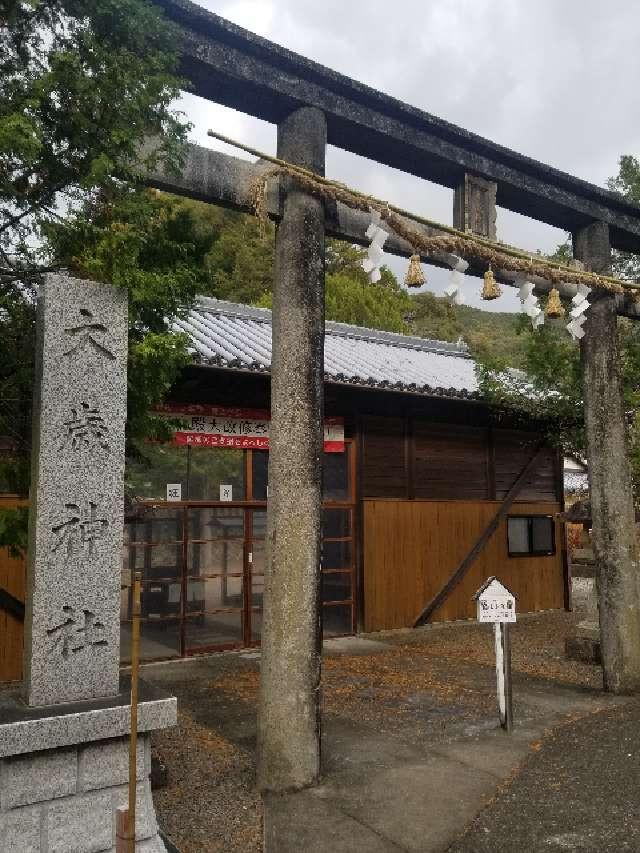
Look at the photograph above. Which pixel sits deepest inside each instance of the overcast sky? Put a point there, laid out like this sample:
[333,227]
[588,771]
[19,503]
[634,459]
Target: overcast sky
[553,79]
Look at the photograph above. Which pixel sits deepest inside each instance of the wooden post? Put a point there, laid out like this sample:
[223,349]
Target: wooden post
[474,206]
[126,818]
[502,634]
[612,510]
[289,713]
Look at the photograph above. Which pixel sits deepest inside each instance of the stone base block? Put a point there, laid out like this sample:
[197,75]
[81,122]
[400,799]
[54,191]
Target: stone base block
[64,773]
[582,648]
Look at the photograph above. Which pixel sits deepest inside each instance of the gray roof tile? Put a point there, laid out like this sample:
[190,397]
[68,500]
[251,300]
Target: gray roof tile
[225,334]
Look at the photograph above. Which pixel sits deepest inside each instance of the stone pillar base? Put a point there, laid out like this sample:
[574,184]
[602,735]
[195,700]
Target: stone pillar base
[64,771]
[584,645]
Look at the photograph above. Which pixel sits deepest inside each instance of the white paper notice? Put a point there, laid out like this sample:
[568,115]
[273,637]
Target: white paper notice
[174,491]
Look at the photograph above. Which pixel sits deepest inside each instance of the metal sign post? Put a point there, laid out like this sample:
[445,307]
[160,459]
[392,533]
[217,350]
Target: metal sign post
[497,605]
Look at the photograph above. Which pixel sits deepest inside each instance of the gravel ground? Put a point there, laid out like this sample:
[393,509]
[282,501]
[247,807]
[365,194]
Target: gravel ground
[578,792]
[429,685]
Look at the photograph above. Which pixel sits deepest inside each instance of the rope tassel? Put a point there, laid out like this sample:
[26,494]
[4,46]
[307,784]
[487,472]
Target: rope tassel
[490,287]
[554,308]
[414,277]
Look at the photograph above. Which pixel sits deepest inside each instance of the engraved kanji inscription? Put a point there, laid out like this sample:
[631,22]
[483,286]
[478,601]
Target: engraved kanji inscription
[79,629]
[81,529]
[87,336]
[85,429]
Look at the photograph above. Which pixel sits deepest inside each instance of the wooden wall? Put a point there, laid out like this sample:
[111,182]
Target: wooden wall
[12,578]
[410,549]
[411,457]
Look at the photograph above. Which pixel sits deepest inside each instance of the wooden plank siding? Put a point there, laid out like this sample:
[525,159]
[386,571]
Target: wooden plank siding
[411,548]
[414,458]
[12,579]
[512,449]
[449,463]
[385,469]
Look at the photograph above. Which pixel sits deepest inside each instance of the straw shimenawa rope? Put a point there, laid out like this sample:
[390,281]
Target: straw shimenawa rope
[455,242]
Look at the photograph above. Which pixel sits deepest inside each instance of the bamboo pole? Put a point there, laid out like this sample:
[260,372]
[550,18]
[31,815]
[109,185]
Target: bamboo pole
[133,740]
[126,816]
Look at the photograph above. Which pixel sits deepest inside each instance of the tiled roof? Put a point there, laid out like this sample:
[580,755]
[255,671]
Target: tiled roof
[237,336]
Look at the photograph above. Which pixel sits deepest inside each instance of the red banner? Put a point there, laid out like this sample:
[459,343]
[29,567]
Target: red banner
[220,426]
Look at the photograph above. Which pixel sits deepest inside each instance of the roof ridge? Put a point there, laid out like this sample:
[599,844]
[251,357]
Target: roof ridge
[346,330]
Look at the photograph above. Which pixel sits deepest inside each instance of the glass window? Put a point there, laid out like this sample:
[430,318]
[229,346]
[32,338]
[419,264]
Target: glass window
[335,474]
[208,630]
[336,555]
[256,626]
[542,535]
[336,523]
[200,471]
[159,639]
[212,467]
[336,620]
[518,532]
[215,523]
[259,466]
[532,534]
[147,478]
[336,586]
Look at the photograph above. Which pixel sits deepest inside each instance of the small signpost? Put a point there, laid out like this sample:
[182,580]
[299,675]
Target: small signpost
[496,604]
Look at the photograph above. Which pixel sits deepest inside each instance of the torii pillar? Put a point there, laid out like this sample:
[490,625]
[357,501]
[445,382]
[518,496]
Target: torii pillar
[612,509]
[289,711]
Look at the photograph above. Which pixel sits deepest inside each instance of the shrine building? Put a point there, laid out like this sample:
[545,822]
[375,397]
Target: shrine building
[416,466]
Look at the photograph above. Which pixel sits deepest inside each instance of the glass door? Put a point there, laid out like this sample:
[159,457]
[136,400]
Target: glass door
[153,546]
[256,533]
[214,580]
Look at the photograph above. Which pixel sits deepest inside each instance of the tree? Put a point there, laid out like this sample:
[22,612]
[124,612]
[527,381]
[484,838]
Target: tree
[84,84]
[550,388]
[351,298]
[627,183]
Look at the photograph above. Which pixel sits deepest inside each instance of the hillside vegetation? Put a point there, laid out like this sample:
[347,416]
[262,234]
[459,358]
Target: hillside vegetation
[490,336]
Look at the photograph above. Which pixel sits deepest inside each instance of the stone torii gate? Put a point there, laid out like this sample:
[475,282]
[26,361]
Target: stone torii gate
[312,105]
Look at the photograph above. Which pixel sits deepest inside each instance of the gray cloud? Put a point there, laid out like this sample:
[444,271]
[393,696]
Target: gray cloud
[554,80]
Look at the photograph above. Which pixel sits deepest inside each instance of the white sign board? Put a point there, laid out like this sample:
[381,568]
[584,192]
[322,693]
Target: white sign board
[226,493]
[174,491]
[495,602]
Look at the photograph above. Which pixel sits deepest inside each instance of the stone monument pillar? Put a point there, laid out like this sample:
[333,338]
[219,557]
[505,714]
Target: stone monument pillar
[63,738]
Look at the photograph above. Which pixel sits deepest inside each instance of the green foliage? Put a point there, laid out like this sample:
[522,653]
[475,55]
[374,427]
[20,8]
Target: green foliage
[13,530]
[551,390]
[17,318]
[374,306]
[627,183]
[351,298]
[547,390]
[240,263]
[491,336]
[155,247]
[83,84]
